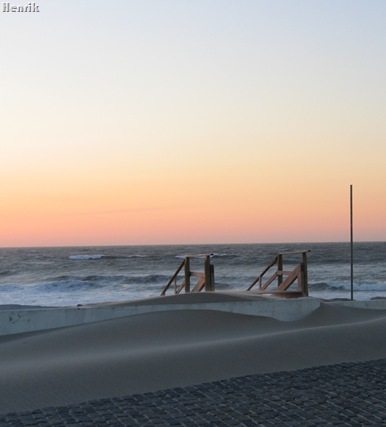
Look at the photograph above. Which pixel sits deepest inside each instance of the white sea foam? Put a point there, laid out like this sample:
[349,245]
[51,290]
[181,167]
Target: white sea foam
[85,257]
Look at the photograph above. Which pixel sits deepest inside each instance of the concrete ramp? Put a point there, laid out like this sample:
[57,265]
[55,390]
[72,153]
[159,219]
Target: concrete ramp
[20,319]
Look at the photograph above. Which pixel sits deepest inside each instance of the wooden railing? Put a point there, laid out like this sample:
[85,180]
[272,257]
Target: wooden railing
[284,278]
[205,278]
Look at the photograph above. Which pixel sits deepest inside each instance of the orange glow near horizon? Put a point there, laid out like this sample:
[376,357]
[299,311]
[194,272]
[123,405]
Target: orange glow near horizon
[215,217]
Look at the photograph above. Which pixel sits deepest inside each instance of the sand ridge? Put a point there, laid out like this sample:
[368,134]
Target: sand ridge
[160,350]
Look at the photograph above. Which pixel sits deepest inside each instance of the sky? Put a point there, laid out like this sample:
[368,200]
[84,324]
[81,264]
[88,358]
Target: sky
[192,121]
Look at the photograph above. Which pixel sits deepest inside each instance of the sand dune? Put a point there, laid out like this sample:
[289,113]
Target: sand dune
[166,349]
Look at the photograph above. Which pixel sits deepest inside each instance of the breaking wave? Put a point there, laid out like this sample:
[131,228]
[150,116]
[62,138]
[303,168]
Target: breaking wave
[85,257]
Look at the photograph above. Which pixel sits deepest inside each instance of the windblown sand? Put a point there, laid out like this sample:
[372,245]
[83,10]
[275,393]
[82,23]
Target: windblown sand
[160,350]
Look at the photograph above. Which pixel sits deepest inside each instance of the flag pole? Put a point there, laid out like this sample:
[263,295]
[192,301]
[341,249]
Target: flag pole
[351,244]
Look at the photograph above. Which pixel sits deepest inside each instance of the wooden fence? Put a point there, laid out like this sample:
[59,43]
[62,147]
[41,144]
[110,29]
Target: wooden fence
[205,279]
[284,278]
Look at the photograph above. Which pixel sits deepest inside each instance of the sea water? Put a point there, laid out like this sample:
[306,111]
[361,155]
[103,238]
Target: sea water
[70,276]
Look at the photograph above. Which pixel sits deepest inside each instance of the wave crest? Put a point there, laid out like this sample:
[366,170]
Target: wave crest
[86,257]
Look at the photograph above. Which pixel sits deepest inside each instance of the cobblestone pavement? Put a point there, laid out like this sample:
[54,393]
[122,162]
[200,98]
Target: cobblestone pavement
[350,394]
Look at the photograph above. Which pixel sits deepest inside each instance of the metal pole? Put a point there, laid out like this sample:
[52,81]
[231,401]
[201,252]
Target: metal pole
[351,244]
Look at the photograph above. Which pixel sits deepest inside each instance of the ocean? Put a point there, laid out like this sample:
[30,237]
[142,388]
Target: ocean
[69,276]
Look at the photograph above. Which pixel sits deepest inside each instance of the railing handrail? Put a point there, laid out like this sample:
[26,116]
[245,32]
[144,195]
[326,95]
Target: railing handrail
[173,278]
[199,255]
[294,252]
[271,264]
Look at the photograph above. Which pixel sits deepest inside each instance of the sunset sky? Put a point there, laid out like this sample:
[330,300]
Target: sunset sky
[192,121]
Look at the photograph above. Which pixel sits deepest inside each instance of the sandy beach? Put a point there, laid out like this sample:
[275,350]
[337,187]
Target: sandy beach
[175,348]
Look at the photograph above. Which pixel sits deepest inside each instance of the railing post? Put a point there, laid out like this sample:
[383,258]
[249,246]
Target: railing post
[209,274]
[304,273]
[187,274]
[279,268]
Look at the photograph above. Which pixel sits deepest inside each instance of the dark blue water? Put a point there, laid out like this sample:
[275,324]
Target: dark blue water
[80,275]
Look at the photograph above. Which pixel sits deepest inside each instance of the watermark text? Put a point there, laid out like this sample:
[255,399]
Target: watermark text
[26,8]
